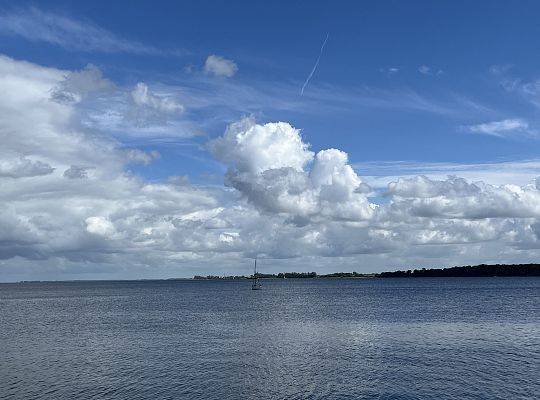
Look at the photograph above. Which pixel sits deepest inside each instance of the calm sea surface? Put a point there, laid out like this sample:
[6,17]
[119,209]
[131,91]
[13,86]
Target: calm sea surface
[453,338]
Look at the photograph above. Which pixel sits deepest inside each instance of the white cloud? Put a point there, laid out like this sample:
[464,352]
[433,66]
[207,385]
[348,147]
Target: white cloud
[219,66]
[139,112]
[100,226]
[423,187]
[457,198]
[389,70]
[380,174]
[143,97]
[143,157]
[30,119]
[424,69]
[504,128]
[47,216]
[136,111]
[255,148]
[78,84]
[269,165]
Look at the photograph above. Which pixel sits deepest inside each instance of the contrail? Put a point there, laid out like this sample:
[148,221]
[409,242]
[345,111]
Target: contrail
[314,67]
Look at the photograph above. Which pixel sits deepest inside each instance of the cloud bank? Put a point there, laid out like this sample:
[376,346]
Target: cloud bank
[72,208]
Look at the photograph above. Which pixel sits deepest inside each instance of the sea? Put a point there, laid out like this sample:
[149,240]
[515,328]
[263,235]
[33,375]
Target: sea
[395,338]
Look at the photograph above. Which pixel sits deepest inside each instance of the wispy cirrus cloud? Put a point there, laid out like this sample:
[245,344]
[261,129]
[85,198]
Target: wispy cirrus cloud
[36,25]
[427,70]
[527,89]
[198,104]
[253,96]
[209,103]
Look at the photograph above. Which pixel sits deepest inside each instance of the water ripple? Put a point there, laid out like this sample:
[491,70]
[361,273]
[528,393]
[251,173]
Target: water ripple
[296,339]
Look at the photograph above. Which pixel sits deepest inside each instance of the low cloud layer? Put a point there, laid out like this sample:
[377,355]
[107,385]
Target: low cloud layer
[72,208]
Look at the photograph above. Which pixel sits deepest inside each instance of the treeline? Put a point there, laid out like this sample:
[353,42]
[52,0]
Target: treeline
[289,275]
[468,271]
[281,275]
[347,275]
[214,277]
[294,275]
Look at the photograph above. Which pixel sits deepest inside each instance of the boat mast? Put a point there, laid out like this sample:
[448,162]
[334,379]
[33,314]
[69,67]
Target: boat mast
[256,284]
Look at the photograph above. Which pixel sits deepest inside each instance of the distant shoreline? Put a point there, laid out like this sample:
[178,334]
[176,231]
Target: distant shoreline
[482,270]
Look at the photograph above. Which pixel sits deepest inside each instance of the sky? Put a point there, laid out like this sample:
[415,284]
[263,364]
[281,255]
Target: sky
[172,139]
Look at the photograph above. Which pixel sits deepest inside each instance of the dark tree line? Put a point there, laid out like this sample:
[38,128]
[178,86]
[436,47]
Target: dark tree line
[466,271]
[214,277]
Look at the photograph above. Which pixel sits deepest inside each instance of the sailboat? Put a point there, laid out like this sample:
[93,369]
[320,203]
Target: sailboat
[256,285]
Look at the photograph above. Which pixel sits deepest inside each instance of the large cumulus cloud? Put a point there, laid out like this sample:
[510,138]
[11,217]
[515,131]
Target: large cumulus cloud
[275,170]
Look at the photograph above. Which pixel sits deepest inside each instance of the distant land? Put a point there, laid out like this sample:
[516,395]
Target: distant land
[482,270]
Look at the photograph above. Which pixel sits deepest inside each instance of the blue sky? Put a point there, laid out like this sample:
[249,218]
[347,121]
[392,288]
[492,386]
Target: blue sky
[412,116]
[143,94]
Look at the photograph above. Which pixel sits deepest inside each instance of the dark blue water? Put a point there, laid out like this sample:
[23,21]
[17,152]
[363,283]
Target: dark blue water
[422,338]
